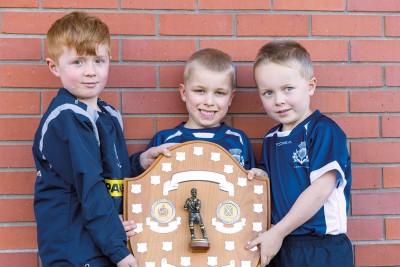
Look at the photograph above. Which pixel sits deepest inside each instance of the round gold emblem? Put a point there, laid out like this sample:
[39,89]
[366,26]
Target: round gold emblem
[228,212]
[163,211]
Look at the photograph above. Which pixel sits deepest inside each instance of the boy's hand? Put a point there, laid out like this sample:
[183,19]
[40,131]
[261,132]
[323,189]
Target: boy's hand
[128,261]
[150,155]
[269,244]
[129,227]
[256,172]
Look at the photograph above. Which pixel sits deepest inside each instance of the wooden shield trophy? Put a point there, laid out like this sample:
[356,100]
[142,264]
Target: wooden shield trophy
[196,208]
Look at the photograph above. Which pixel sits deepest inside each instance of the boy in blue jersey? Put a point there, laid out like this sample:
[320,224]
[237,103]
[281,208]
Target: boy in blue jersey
[80,152]
[209,79]
[307,161]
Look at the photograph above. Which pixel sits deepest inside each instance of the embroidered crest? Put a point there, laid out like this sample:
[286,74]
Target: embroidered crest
[300,155]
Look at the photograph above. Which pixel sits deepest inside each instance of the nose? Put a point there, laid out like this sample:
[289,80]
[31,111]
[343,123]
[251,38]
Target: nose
[210,99]
[279,99]
[90,69]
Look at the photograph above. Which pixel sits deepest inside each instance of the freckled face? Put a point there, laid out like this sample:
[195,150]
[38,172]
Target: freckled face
[285,94]
[82,75]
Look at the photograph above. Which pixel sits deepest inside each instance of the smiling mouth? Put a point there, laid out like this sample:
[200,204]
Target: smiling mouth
[207,113]
[283,111]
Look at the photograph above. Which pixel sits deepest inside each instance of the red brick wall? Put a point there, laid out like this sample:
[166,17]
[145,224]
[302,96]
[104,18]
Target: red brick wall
[355,45]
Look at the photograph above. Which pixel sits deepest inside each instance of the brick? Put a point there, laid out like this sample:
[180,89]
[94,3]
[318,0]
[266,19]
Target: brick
[28,259]
[244,76]
[365,229]
[246,102]
[16,156]
[47,96]
[19,3]
[20,49]
[157,50]
[257,149]
[390,126]
[239,50]
[18,237]
[373,5]
[152,102]
[138,127]
[329,101]
[36,76]
[80,4]
[155,4]
[18,128]
[392,74]
[391,26]
[195,24]
[17,183]
[131,76]
[375,152]
[163,123]
[234,5]
[326,50]
[375,203]
[114,50]
[111,97]
[392,228]
[16,210]
[133,148]
[377,255]
[272,25]
[254,127]
[391,177]
[39,22]
[348,75]
[346,25]
[375,101]
[359,126]
[171,76]
[322,5]
[375,50]
[129,23]
[365,178]
[19,102]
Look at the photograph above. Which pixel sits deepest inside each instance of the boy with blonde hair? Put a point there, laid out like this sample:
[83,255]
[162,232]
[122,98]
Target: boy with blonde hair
[306,159]
[80,152]
[208,90]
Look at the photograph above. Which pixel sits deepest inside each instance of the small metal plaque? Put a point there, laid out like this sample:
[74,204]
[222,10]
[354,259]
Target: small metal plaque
[228,212]
[163,211]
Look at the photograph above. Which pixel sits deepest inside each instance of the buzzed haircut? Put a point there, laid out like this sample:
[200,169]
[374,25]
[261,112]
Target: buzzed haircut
[213,60]
[287,53]
[79,31]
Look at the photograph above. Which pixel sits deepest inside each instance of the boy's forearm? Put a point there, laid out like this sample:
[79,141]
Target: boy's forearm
[307,204]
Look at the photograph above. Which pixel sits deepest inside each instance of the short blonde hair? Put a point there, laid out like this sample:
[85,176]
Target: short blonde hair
[211,59]
[287,53]
[77,30]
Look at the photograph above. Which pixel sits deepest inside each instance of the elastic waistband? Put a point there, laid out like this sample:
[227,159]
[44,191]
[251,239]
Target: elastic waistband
[313,239]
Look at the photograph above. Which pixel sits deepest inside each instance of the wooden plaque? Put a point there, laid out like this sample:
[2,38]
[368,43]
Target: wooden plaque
[234,210]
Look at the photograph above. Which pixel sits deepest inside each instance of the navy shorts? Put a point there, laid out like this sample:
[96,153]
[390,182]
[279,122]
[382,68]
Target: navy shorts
[314,251]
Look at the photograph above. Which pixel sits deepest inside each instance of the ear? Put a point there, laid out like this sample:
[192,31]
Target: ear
[232,96]
[182,90]
[312,85]
[53,67]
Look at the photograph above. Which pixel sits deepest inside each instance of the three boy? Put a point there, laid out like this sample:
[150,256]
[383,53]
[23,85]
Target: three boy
[79,145]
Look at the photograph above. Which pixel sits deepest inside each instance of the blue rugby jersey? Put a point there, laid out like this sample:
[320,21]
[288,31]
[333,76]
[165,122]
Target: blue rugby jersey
[233,140]
[296,158]
[75,149]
